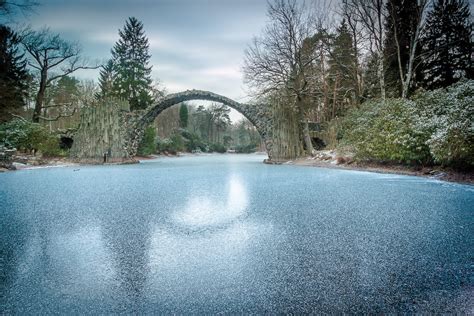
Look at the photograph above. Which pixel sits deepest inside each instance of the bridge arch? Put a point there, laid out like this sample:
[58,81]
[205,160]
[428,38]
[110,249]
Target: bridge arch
[108,132]
[258,115]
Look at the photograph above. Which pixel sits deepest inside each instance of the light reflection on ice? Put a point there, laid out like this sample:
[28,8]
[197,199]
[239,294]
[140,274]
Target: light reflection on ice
[80,255]
[180,264]
[207,211]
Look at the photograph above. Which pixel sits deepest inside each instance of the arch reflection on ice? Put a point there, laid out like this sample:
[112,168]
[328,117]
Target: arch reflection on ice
[202,211]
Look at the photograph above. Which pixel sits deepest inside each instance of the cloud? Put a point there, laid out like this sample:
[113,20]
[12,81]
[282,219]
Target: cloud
[194,44]
[224,72]
[103,37]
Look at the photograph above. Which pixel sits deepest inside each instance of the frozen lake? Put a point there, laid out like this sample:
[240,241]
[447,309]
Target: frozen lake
[229,234]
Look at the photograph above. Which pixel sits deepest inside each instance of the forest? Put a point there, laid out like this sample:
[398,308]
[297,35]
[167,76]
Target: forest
[388,81]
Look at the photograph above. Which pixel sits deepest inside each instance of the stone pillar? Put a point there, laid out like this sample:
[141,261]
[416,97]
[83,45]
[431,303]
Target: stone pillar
[102,130]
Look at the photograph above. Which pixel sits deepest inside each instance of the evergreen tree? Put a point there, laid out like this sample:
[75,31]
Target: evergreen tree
[13,74]
[342,70]
[183,115]
[400,27]
[148,144]
[447,47]
[106,80]
[132,73]
[65,91]
[371,80]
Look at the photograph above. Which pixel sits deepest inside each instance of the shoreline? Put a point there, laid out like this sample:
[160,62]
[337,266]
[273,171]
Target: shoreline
[435,172]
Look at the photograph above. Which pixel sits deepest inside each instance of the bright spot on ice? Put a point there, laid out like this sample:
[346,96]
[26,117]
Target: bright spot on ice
[206,211]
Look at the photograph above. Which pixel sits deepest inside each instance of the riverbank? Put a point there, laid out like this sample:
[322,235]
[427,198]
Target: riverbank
[26,161]
[323,159]
[328,159]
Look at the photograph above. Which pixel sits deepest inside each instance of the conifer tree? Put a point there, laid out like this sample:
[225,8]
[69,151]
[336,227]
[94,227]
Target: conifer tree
[64,91]
[371,80]
[130,55]
[342,70]
[447,47]
[13,74]
[106,80]
[183,115]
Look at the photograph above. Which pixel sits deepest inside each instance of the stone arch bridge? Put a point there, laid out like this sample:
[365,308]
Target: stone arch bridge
[109,129]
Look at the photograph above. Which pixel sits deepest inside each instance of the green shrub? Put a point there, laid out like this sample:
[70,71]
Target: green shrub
[20,134]
[148,144]
[27,136]
[435,127]
[218,148]
[386,131]
[178,142]
[448,116]
[163,145]
[171,145]
[192,141]
[246,149]
[49,147]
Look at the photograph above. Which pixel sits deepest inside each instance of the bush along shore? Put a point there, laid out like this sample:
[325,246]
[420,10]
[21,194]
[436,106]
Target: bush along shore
[431,134]
[24,144]
[433,128]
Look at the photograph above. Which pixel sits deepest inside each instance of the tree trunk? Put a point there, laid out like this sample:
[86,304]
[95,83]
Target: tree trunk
[40,97]
[399,52]
[334,101]
[305,129]
[411,59]
[381,75]
[286,130]
[307,138]
[357,75]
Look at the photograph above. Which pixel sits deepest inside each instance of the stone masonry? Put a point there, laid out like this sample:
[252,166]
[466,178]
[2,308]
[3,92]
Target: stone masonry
[108,130]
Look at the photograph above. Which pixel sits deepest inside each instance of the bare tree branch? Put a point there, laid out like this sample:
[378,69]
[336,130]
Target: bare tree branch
[372,15]
[47,53]
[49,119]
[282,57]
[18,116]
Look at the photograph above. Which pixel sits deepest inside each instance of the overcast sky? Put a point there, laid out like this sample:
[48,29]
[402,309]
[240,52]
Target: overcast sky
[194,43]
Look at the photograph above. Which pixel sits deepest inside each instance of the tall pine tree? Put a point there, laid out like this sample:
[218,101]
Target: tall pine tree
[447,47]
[130,55]
[13,74]
[106,80]
[183,115]
[342,71]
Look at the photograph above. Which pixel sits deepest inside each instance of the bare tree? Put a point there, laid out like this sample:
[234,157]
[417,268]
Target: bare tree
[53,58]
[281,57]
[358,37]
[406,71]
[371,15]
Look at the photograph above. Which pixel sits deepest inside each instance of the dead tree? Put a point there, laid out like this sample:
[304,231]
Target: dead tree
[53,58]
